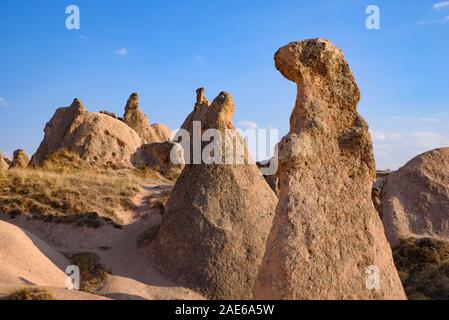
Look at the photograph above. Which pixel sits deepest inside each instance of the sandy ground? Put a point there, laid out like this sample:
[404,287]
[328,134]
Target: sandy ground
[35,253]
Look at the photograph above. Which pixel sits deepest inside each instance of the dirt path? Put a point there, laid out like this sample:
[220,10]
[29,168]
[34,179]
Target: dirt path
[120,249]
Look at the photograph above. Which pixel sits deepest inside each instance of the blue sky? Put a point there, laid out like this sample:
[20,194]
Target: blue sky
[166,49]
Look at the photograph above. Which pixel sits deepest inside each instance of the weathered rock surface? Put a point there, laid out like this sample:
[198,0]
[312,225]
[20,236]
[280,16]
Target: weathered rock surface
[111,114]
[7,160]
[216,222]
[3,164]
[136,119]
[96,137]
[159,155]
[415,199]
[376,193]
[326,232]
[25,259]
[20,160]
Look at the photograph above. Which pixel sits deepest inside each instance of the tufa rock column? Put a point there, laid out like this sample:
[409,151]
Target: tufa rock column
[327,241]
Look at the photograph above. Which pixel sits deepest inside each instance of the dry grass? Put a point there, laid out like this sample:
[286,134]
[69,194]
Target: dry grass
[148,173]
[67,190]
[160,203]
[92,273]
[31,294]
[423,266]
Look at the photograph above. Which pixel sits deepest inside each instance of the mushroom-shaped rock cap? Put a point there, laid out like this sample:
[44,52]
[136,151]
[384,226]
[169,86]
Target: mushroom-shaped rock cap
[221,112]
[321,69]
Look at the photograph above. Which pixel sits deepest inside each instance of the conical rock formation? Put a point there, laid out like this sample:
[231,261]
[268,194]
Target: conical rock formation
[327,241]
[158,155]
[136,119]
[216,222]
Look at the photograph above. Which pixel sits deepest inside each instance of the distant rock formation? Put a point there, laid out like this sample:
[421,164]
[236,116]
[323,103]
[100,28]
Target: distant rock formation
[7,160]
[159,155]
[3,164]
[327,240]
[218,216]
[95,137]
[136,119]
[20,160]
[111,114]
[415,199]
[376,193]
[199,112]
[273,179]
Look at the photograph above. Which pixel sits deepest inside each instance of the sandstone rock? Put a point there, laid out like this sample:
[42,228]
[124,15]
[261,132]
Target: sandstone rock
[95,137]
[415,199]
[25,259]
[136,119]
[3,164]
[201,97]
[199,111]
[57,129]
[7,160]
[20,160]
[111,114]
[158,155]
[217,218]
[327,238]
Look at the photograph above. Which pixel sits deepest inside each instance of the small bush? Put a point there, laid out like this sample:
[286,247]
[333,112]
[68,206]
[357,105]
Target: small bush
[31,294]
[423,266]
[92,273]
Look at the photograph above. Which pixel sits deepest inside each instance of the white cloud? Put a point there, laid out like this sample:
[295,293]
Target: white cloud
[444,20]
[3,102]
[248,124]
[441,5]
[121,52]
[393,149]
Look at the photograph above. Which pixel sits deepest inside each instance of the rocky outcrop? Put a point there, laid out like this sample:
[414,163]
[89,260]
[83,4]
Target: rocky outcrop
[327,240]
[7,160]
[415,199]
[376,192]
[111,114]
[199,110]
[136,119]
[20,160]
[3,164]
[95,137]
[167,157]
[57,129]
[218,216]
